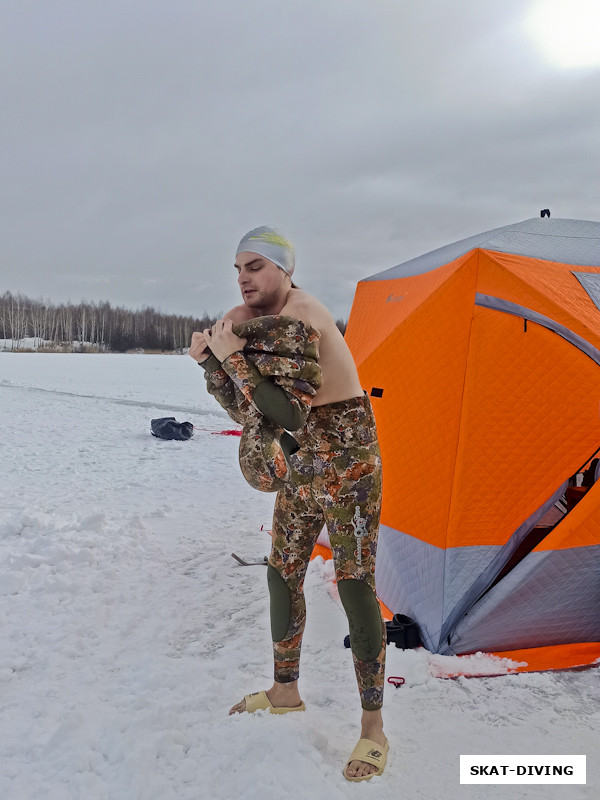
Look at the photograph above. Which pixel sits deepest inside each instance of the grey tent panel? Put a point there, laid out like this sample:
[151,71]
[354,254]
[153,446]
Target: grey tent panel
[463,565]
[479,581]
[568,241]
[591,283]
[409,579]
[551,597]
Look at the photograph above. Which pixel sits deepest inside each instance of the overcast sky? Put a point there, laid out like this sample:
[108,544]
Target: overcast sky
[140,139]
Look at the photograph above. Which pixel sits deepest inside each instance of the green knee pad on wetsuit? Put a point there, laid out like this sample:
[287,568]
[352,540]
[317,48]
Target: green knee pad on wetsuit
[274,404]
[272,401]
[281,604]
[364,618]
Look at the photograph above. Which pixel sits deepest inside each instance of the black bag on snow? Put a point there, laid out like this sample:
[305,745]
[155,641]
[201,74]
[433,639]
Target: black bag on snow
[169,428]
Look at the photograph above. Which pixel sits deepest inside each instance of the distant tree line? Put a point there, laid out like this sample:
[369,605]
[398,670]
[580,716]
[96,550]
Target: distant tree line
[95,325]
[98,326]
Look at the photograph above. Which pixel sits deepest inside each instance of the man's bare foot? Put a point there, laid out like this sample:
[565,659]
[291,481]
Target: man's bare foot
[281,695]
[371,728]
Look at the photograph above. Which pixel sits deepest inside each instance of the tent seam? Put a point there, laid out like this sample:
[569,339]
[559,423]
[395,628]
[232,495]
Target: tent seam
[477,254]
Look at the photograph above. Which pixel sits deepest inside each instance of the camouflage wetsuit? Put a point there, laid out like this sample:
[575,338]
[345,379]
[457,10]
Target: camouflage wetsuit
[331,475]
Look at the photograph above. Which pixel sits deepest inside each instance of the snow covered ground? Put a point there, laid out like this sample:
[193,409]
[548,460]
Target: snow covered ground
[127,630]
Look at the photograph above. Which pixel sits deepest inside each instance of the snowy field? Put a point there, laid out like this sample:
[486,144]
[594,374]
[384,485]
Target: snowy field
[127,630]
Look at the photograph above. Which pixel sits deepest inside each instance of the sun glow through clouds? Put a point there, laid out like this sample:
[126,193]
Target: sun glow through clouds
[567,31]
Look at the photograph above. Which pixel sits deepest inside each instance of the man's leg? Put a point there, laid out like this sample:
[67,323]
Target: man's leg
[356,586]
[297,522]
[352,489]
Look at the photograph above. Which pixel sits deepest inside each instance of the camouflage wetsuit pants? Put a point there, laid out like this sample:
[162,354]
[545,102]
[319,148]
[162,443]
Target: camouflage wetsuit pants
[336,479]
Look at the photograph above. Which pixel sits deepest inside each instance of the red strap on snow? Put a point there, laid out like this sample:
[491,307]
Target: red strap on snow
[396,680]
[230,432]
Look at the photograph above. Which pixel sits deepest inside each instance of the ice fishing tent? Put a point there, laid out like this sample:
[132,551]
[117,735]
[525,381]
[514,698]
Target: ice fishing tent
[482,360]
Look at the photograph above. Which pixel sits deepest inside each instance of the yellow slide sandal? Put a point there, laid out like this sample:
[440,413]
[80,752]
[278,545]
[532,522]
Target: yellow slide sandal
[371,753]
[259,701]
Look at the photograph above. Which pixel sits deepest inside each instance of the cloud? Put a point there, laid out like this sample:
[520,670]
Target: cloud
[143,138]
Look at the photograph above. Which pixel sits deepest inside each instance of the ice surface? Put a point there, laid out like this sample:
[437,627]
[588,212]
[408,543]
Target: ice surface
[127,630]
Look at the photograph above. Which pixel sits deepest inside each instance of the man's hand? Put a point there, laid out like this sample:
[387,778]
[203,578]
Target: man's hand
[198,347]
[222,340]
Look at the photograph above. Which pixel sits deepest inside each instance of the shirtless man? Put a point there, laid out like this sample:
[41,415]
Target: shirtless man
[339,453]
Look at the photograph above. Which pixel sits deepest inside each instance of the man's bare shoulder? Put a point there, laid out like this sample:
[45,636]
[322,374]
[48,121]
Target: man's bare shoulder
[238,314]
[305,307]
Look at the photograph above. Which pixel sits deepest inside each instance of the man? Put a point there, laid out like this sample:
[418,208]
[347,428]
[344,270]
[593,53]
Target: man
[330,471]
